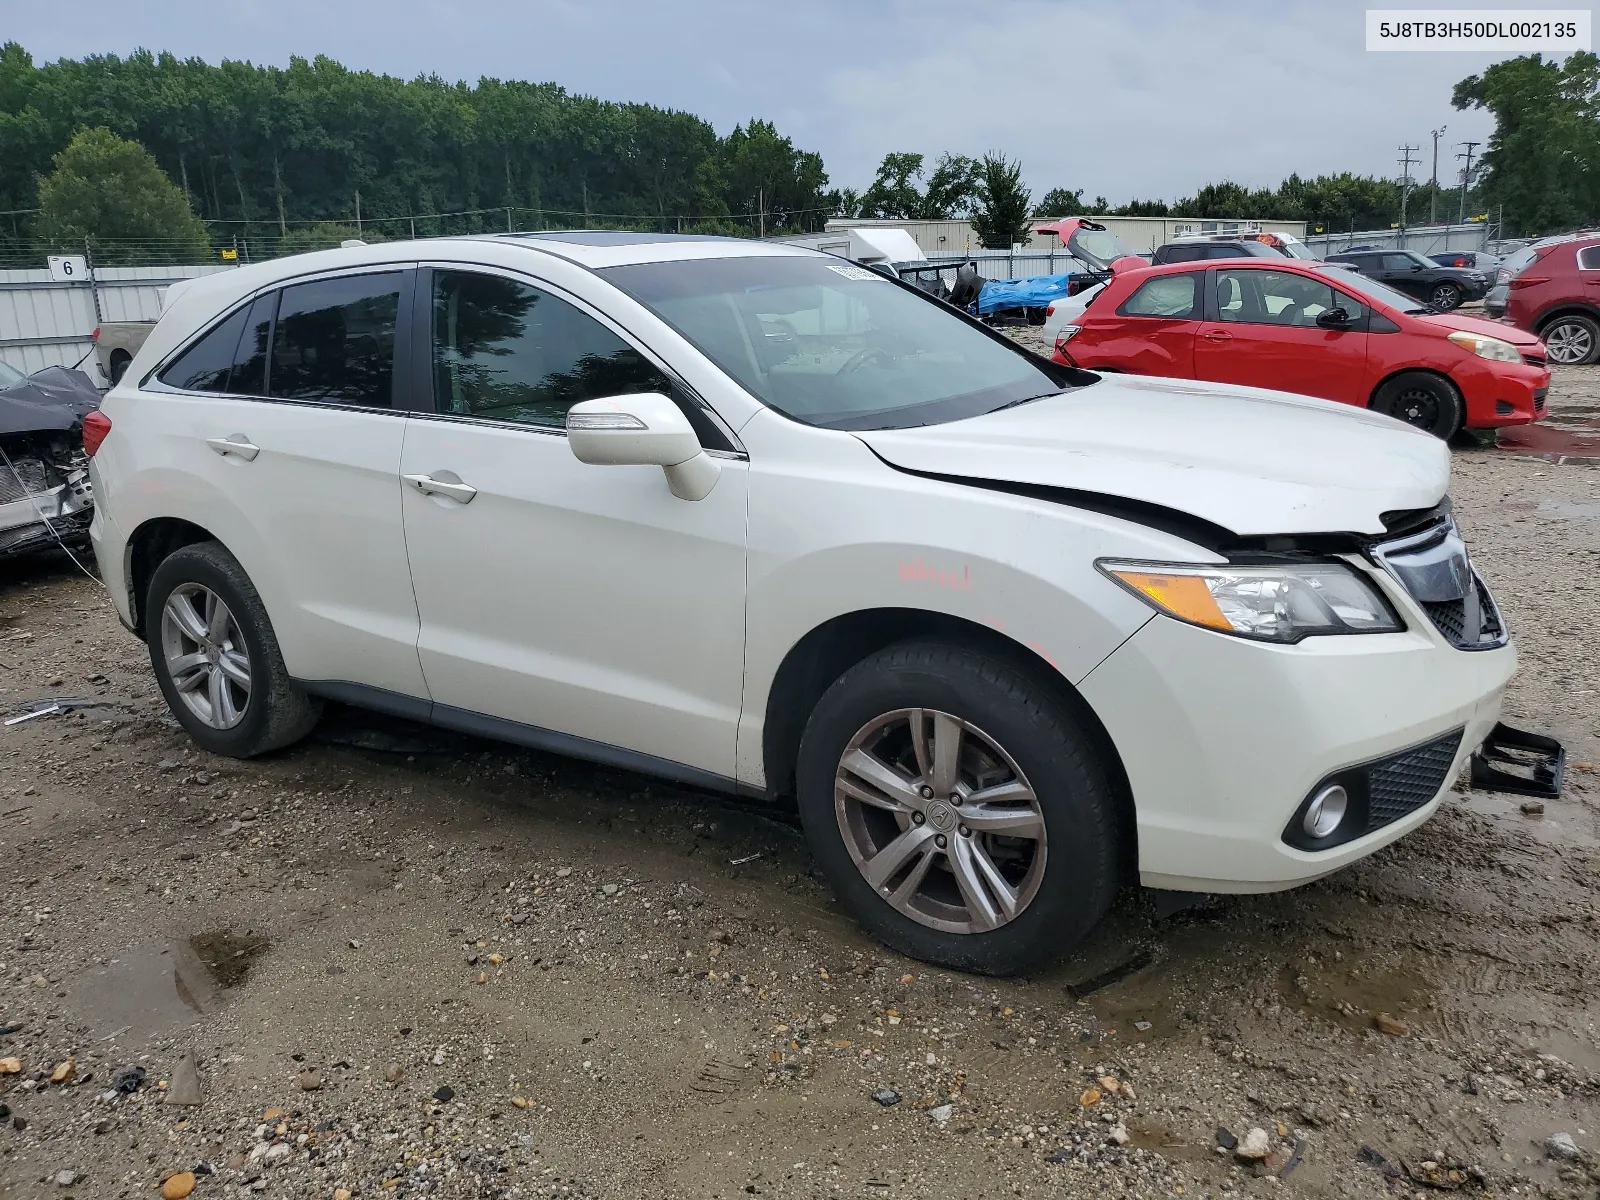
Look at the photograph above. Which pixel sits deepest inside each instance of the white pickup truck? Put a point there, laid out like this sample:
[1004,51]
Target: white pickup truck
[115,344]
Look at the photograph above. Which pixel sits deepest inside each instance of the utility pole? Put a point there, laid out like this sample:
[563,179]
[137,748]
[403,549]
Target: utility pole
[1406,161]
[1466,176]
[358,210]
[761,209]
[1433,194]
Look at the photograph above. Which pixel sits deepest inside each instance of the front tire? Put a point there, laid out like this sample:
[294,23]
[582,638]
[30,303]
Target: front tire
[961,813]
[1424,401]
[1572,340]
[216,657]
[1445,296]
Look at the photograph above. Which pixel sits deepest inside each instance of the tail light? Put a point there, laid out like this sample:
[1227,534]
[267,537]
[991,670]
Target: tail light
[95,427]
[95,336]
[1522,281]
[1049,310]
[1066,334]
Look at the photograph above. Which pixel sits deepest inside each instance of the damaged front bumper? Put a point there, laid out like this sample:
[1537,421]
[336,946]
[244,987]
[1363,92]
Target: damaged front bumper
[41,506]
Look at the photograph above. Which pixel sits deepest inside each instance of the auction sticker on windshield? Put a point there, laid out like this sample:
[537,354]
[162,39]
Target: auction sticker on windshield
[854,272]
[1513,30]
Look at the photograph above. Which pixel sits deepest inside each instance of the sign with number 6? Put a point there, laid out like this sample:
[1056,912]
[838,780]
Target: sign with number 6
[68,268]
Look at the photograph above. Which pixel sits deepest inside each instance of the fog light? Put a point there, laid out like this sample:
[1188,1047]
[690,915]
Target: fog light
[1326,810]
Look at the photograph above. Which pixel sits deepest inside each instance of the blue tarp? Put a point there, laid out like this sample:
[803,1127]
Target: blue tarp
[1033,292]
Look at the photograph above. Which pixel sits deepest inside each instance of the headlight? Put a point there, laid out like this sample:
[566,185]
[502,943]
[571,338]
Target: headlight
[1271,604]
[1486,347]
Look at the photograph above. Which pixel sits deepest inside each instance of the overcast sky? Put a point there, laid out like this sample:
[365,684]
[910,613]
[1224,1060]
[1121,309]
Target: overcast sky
[1147,98]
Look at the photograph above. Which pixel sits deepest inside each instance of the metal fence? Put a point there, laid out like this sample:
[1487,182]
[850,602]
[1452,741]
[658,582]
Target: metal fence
[1425,239]
[1007,264]
[44,322]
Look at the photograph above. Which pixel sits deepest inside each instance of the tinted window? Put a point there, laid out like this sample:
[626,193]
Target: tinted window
[334,341]
[205,366]
[1167,296]
[504,350]
[1589,258]
[250,363]
[1277,298]
[1177,254]
[1398,262]
[837,345]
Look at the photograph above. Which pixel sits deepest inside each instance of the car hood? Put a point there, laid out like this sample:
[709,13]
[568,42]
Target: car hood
[1452,321]
[1251,461]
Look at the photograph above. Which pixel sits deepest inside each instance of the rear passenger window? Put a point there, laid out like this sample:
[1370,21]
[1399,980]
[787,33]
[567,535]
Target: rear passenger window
[1589,258]
[334,341]
[205,366]
[1168,296]
[250,363]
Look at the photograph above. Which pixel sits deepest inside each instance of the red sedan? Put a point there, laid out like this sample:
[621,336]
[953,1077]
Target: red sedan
[1316,329]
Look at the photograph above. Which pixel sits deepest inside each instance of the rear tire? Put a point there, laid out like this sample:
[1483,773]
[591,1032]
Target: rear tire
[216,657]
[1572,340]
[1424,401]
[1039,889]
[120,360]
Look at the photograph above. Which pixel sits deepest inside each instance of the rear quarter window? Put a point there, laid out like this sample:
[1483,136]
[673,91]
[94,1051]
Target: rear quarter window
[1171,296]
[206,365]
[1589,258]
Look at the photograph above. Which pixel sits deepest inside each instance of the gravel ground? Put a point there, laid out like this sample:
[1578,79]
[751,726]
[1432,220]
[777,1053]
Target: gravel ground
[391,961]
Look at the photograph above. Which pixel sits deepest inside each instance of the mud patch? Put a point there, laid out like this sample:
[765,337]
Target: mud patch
[1352,992]
[227,958]
[146,990]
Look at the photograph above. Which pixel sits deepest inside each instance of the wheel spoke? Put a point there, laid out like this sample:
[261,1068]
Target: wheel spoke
[217,617]
[236,667]
[966,864]
[223,711]
[185,618]
[946,754]
[189,671]
[912,883]
[901,792]
[889,861]
[1012,822]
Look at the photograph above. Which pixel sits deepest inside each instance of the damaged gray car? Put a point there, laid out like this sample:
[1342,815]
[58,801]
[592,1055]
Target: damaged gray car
[45,498]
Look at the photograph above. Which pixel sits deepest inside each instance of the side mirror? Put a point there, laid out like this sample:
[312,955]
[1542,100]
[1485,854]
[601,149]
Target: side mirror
[1416,266]
[646,429]
[1333,318]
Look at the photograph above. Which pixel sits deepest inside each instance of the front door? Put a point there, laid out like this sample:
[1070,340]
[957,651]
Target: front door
[1404,274]
[1264,333]
[570,599]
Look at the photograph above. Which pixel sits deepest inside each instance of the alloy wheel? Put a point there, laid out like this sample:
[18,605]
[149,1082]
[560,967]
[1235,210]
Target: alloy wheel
[1446,296]
[940,820]
[205,655]
[1569,342]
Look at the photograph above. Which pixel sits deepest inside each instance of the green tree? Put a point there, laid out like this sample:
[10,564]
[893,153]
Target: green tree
[110,192]
[1000,217]
[1543,159]
[951,188]
[894,194]
[1059,202]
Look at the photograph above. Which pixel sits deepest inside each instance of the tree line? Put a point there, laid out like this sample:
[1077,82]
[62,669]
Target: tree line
[264,149]
[300,156]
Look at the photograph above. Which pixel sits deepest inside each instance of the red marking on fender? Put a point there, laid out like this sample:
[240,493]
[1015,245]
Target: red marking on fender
[921,572]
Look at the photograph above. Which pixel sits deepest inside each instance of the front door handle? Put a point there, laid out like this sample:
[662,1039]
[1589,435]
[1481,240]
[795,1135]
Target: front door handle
[1218,335]
[236,444]
[429,485]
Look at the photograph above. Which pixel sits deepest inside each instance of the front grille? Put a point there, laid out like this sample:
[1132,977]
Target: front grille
[29,476]
[1450,617]
[1534,360]
[1402,784]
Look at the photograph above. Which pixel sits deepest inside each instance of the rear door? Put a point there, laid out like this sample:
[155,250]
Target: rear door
[1150,333]
[284,424]
[1262,331]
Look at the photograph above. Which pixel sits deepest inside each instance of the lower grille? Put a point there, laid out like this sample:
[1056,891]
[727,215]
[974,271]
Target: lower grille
[1400,785]
[1450,616]
[1539,395]
[28,477]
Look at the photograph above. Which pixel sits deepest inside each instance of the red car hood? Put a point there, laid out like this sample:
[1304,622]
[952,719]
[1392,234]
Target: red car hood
[1467,324]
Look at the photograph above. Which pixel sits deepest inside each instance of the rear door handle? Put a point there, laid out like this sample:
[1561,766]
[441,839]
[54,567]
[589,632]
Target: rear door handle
[453,488]
[236,444]
[1218,335]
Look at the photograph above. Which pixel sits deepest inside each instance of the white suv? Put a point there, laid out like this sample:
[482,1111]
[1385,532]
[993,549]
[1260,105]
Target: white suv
[749,517]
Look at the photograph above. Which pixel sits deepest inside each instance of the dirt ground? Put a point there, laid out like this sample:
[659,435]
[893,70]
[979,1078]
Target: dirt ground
[414,964]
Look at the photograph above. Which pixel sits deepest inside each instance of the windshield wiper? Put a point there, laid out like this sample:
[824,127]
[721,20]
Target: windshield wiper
[1025,400]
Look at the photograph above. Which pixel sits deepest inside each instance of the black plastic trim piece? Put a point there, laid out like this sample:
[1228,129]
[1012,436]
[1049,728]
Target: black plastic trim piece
[1495,763]
[502,730]
[1357,782]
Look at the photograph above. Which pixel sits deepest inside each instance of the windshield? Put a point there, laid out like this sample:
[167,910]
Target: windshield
[1347,278]
[832,344]
[10,376]
[1295,249]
